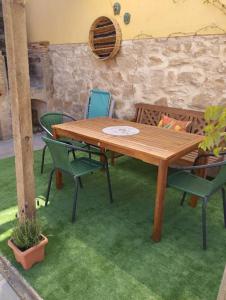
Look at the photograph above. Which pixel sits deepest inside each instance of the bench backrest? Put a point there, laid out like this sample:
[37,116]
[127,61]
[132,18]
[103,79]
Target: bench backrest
[152,114]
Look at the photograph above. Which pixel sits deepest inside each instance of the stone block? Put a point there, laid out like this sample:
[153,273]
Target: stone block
[177,62]
[154,60]
[162,101]
[194,78]
[201,101]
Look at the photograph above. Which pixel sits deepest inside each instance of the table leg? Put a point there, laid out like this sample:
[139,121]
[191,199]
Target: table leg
[159,201]
[102,158]
[112,158]
[193,201]
[59,177]
[59,180]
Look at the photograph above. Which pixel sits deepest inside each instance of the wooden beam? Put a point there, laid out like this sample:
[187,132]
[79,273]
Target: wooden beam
[18,72]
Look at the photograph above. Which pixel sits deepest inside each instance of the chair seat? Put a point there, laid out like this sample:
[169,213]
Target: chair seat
[83,165]
[190,183]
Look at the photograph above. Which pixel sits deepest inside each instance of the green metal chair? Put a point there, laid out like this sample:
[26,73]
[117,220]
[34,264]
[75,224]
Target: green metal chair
[76,168]
[99,104]
[53,118]
[186,181]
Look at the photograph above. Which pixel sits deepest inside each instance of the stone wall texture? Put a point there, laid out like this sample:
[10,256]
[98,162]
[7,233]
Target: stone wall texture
[187,72]
[5,100]
[2,33]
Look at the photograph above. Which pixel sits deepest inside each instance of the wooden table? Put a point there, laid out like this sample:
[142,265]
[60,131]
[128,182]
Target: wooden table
[152,145]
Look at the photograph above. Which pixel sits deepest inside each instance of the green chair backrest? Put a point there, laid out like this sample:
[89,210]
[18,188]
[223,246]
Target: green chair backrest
[49,119]
[220,179]
[99,104]
[59,154]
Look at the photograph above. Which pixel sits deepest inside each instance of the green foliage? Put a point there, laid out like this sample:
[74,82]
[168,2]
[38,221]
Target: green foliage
[26,234]
[215,136]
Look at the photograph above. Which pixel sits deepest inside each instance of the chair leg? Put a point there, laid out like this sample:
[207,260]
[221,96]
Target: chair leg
[90,155]
[49,186]
[112,158]
[204,204]
[80,182]
[75,200]
[224,205]
[43,158]
[183,198]
[109,182]
[73,152]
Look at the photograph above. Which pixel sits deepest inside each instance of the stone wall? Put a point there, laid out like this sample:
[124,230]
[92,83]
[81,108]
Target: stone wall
[2,34]
[187,72]
[5,113]
[5,108]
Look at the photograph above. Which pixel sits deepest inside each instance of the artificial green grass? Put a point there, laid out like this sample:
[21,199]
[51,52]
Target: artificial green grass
[107,253]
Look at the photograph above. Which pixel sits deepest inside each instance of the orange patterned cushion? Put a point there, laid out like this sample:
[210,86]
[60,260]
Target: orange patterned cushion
[170,123]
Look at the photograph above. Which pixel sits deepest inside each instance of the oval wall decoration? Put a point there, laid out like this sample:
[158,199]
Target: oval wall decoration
[105,38]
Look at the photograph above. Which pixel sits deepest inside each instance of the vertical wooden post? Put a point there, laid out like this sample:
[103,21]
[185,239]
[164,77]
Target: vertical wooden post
[18,73]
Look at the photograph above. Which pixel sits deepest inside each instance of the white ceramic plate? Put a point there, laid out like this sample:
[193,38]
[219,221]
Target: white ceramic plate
[121,130]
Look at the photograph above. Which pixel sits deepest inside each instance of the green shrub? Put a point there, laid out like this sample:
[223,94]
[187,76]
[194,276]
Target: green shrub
[26,234]
[215,135]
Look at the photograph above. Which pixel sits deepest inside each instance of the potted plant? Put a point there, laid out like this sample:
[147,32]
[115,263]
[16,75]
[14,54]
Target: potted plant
[27,242]
[215,134]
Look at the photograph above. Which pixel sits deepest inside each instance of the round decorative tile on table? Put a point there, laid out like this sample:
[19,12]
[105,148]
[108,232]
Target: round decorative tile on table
[121,130]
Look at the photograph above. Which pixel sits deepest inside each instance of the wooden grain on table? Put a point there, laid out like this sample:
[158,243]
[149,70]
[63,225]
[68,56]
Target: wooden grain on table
[151,145]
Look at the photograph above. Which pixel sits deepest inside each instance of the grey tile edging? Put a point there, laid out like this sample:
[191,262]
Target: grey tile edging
[222,290]
[17,282]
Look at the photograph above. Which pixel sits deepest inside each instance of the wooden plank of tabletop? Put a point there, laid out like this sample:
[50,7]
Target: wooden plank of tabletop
[151,145]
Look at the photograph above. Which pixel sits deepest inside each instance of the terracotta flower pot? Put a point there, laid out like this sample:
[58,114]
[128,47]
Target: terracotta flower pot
[30,256]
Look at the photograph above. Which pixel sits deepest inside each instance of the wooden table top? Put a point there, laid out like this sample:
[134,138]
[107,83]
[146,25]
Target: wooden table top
[151,145]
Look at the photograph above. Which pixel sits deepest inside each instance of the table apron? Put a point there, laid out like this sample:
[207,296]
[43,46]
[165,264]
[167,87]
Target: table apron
[108,146]
[122,149]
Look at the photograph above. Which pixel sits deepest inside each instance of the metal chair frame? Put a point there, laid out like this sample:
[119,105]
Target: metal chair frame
[50,133]
[110,113]
[111,106]
[77,180]
[207,197]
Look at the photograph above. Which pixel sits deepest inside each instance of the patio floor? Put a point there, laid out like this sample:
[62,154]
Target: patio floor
[12,285]
[108,254]
[6,147]
[6,292]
